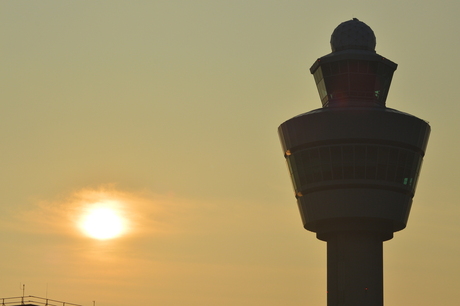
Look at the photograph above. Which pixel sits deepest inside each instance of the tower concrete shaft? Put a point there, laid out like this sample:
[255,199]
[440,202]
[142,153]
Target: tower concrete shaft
[354,164]
[355,269]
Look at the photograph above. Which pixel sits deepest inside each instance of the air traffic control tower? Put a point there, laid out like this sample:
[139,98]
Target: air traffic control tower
[354,164]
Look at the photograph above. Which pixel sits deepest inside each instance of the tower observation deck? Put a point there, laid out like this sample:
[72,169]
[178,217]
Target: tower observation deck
[354,164]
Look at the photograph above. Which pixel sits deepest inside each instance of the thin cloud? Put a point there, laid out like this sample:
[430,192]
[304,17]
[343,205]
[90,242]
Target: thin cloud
[146,213]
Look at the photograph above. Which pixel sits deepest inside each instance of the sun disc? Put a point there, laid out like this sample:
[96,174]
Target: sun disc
[102,223]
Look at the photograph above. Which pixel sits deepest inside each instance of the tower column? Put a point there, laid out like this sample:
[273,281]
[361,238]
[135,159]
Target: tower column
[355,269]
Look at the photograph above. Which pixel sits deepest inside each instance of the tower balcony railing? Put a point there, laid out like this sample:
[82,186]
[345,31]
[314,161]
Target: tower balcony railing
[31,300]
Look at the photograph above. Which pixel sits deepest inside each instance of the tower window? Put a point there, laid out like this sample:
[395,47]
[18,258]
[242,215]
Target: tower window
[344,163]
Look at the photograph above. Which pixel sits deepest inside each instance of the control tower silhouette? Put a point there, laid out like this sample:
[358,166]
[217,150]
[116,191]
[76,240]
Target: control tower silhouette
[354,164]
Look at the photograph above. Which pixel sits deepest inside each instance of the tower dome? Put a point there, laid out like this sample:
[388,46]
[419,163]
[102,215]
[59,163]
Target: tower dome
[353,34]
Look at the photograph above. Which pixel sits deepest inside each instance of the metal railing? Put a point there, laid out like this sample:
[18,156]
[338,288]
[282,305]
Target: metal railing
[33,300]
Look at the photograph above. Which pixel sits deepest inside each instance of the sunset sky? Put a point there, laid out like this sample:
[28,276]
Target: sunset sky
[167,112]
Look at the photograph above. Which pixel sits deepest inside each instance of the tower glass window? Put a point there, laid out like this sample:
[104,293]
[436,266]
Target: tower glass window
[353,80]
[343,163]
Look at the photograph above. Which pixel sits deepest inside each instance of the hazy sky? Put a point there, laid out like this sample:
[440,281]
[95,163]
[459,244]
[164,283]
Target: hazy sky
[170,109]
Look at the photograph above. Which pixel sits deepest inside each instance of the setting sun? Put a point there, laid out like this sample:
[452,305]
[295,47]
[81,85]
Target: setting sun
[102,222]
